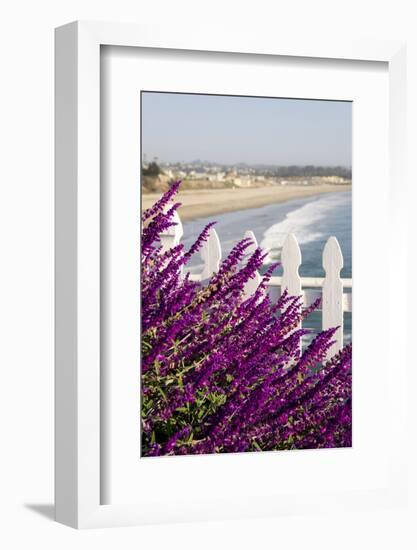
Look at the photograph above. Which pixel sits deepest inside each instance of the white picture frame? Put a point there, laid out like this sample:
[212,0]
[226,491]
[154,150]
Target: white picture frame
[78,449]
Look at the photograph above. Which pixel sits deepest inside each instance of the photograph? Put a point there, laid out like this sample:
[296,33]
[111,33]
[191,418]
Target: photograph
[246,273]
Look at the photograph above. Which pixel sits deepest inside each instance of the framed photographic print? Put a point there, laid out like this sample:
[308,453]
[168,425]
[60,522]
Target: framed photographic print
[224,268]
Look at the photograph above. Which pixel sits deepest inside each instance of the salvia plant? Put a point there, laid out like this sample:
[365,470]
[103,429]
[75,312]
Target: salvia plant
[221,372]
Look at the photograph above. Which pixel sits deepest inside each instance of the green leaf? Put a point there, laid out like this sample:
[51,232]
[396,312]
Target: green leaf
[256,445]
[161,391]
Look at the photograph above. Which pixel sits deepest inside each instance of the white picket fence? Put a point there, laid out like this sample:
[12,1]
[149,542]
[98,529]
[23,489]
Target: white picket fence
[335,293]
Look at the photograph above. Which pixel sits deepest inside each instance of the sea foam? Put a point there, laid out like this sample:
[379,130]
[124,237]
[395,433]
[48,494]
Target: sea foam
[303,222]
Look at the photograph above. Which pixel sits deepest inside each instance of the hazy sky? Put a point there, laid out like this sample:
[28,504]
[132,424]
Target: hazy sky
[228,129]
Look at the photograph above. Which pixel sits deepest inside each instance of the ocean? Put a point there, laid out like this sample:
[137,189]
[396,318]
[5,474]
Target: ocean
[312,220]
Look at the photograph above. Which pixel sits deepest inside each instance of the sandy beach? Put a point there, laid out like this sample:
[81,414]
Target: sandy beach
[208,202]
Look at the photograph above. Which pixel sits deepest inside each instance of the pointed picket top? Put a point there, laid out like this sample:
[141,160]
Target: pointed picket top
[211,254]
[291,261]
[332,257]
[332,300]
[172,235]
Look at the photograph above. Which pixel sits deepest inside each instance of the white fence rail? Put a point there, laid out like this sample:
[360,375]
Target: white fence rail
[335,293]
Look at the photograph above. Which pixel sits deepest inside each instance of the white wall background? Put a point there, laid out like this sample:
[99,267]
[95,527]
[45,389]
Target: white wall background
[26,267]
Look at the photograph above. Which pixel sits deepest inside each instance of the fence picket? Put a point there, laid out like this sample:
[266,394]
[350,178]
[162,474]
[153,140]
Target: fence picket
[332,301]
[252,284]
[211,254]
[172,236]
[291,261]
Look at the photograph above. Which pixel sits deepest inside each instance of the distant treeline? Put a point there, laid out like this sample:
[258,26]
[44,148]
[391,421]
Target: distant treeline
[303,171]
[153,169]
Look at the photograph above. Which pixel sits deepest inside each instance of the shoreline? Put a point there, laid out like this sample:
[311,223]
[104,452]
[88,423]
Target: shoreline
[209,202]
